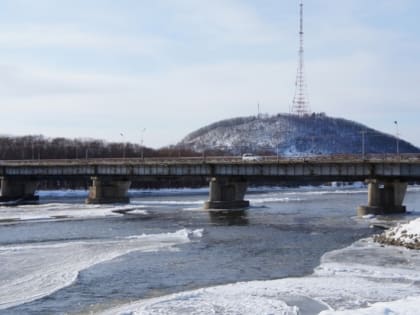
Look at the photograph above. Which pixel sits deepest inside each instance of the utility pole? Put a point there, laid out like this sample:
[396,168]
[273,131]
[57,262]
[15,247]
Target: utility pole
[397,135]
[363,132]
[141,143]
[123,145]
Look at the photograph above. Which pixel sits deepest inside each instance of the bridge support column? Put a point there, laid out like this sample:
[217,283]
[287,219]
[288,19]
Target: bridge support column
[13,189]
[227,193]
[385,198]
[108,190]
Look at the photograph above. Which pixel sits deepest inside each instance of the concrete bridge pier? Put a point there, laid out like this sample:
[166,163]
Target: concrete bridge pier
[18,189]
[108,190]
[227,193]
[384,198]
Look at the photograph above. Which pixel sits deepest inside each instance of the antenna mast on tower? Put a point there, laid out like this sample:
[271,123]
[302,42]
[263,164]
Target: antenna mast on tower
[300,105]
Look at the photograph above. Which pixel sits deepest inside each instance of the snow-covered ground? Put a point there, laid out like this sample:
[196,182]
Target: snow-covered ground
[364,278]
[407,235]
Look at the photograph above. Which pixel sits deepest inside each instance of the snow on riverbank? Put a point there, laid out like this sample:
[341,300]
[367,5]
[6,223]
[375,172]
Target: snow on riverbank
[407,235]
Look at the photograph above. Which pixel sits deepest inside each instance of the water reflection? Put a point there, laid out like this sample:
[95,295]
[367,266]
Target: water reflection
[229,217]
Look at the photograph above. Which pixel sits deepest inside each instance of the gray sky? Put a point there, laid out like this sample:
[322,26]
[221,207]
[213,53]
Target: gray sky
[99,68]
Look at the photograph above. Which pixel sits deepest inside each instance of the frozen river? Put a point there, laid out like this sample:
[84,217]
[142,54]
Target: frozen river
[295,251]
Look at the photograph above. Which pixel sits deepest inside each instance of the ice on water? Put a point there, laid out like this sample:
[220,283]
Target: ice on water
[364,278]
[34,270]
[54,211]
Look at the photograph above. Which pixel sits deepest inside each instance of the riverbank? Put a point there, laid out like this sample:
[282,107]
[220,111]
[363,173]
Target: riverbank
[407,235]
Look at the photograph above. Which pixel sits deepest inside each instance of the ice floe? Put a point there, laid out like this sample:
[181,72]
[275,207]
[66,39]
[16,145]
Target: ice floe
[58,211]
[33,270]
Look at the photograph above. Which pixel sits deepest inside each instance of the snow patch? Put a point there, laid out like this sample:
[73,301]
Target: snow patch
[407,235]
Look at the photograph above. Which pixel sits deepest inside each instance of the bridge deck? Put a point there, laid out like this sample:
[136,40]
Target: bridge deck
[339,167]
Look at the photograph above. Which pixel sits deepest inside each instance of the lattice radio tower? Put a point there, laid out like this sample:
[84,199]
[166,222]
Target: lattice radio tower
[300,105]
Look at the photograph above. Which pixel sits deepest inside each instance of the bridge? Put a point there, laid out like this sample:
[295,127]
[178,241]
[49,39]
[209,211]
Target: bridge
[387,176]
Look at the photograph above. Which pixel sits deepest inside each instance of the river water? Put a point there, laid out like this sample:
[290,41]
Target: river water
[64,257]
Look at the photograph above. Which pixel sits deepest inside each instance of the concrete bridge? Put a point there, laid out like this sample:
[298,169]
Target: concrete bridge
[387,176]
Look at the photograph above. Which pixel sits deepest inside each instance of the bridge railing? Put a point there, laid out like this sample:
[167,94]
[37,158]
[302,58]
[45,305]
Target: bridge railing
[221,159]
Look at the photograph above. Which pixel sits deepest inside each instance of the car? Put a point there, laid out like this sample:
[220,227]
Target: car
[251,157]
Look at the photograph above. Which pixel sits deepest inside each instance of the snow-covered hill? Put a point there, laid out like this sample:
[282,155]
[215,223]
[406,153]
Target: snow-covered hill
[292,135]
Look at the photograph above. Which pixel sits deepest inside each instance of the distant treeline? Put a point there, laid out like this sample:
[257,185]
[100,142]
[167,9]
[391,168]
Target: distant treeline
[40,147]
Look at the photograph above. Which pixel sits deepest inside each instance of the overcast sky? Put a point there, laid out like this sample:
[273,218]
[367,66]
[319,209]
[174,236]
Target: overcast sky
[99,68]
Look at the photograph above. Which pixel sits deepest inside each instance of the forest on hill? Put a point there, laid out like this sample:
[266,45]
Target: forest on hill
[291,135]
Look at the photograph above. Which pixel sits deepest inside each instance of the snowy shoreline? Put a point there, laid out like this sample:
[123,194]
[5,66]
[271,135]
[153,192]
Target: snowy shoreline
[406,235]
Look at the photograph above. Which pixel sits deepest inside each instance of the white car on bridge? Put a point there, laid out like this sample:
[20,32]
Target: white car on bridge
[251,157]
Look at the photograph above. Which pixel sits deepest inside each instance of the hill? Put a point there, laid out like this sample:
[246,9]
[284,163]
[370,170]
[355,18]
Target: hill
[291,135]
